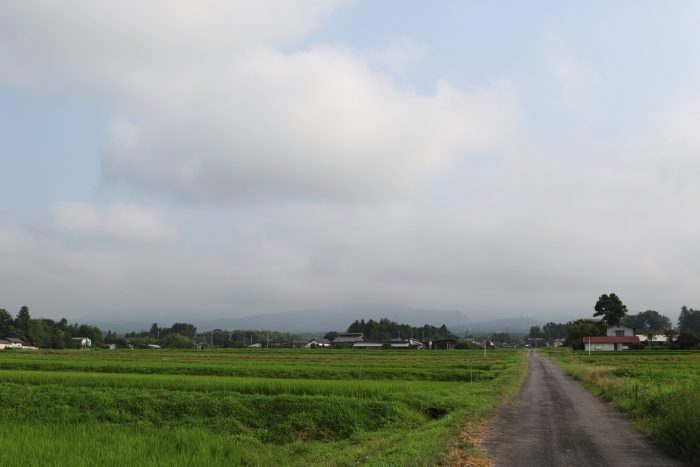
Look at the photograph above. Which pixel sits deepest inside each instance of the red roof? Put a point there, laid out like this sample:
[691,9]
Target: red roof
[611,339]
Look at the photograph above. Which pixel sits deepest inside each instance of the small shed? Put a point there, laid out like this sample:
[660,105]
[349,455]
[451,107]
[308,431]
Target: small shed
[81,342]
[656,338]
[407,344]
[447,343]
[369,345]
[15,342]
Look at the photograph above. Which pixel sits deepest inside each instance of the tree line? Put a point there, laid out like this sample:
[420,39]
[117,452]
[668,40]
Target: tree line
[185,335]
[49,334]
[43,332]
[386,330]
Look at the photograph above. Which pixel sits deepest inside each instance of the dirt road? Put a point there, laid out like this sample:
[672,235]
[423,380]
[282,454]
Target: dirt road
[554,421]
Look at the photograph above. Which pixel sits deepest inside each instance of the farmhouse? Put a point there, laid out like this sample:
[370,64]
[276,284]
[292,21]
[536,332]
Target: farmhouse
[11,342]
[317,343]
[616,338]
[348,340]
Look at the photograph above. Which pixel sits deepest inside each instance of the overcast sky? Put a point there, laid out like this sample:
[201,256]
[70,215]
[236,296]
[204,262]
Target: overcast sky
[217,158]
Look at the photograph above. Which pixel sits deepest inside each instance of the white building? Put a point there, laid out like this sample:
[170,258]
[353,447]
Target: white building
[616,338]
[619,331]
[82,342]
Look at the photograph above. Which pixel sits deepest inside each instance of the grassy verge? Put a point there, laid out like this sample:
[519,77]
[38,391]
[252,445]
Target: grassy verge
[467,451]
[660,390]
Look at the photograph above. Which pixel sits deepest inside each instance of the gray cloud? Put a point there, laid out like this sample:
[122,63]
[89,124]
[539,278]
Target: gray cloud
[313,179]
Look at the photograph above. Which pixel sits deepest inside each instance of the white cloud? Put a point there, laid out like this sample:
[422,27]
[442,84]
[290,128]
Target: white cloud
[226,101]
[129,222]
[316,124]
[675,144]
[399,57]
[208,107]
[579,84]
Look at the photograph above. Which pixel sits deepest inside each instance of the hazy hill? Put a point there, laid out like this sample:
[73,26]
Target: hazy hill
[320,321]
[336,320]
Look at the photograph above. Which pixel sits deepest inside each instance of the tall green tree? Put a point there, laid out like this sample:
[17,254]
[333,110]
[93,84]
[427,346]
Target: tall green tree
[22,321]
[177,340]
[185,329]
[689,321]
[7,324]
[583,327]
[553,331]
[648,320]
[611,309]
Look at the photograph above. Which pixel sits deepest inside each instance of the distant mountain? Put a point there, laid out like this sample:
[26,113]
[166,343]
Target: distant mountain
[514,326]
[318,322]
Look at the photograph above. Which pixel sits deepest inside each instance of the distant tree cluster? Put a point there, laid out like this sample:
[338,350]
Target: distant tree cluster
[185,335]
[244,337]
[386,330]
[505,339]
[650,320]
[45,333]
[179,335]
[583,327]
[549,331]
[613,312]
[689,321]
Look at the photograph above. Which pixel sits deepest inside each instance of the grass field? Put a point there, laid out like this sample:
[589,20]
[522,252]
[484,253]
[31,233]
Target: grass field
[246,407]
[659,389]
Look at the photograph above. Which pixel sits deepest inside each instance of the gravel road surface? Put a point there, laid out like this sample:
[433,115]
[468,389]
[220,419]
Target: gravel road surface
[554,421]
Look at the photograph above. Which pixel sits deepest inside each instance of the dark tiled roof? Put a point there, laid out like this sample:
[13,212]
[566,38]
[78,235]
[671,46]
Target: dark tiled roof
[349,337]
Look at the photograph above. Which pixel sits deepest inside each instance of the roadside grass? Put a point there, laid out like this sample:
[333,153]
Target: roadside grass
[178,408]
[467,451]
[659,389]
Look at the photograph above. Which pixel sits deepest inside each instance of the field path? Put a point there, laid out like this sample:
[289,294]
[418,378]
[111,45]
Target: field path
[554,421]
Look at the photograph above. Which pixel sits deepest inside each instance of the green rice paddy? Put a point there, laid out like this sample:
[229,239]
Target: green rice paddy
[246,407]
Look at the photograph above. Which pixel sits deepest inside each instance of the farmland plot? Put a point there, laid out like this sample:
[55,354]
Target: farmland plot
[248,407]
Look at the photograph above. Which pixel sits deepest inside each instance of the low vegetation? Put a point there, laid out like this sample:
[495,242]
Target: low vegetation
[246,407]
[659,389]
